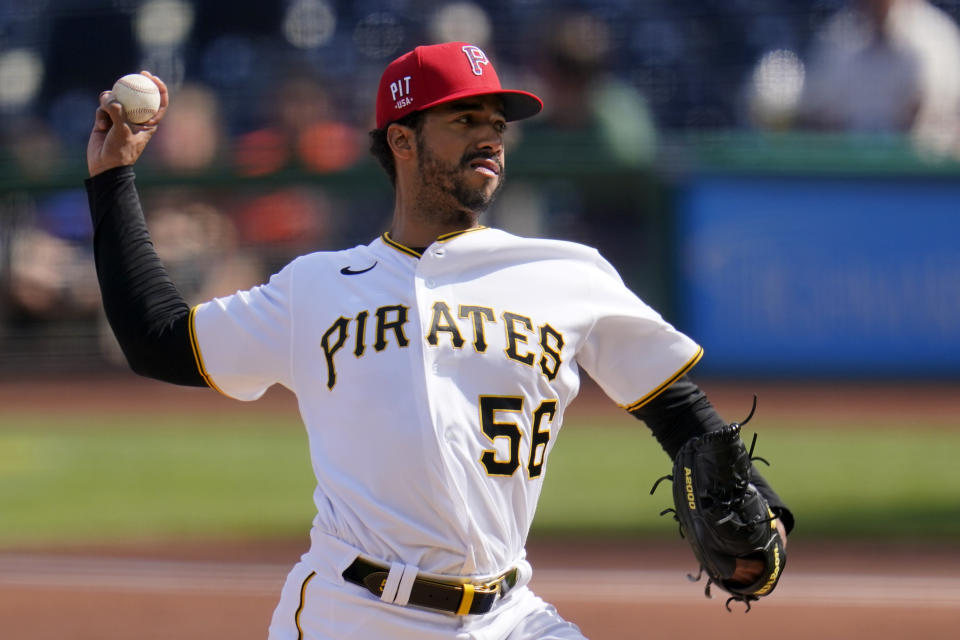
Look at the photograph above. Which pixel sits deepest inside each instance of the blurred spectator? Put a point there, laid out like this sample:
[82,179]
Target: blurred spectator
[34,148]
[582,96]
[51,275]
[886,66]
[303,129]
[591,118]
[191,137]
[284,223]
[50,278]
[199,246]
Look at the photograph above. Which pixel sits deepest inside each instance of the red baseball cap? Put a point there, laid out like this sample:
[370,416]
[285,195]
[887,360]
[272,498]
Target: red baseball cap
[438,73]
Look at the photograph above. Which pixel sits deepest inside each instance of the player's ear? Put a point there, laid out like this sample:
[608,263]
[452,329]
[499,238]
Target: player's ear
[402,140]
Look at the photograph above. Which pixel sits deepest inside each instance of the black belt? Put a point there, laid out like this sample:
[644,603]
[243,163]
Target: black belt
[453,597]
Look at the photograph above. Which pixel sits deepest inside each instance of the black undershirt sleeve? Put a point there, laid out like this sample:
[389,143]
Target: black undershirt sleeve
[682,411]
[148,315]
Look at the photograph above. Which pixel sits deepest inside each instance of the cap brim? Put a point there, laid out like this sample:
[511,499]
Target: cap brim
[517,105]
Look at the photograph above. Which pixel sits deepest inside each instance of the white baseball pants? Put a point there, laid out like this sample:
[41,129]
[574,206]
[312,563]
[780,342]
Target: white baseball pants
[316,603]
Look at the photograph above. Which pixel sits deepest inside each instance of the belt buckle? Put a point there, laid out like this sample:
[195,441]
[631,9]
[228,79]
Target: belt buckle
[470,589]
[489,587]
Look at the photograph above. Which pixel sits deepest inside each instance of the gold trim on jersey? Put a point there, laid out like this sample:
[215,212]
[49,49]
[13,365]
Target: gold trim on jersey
[197,356]
[454,234]
[653,394]
[441,238]
[390,242]
[303,597]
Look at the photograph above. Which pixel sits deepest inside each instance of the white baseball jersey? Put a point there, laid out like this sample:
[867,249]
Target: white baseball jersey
[433,386]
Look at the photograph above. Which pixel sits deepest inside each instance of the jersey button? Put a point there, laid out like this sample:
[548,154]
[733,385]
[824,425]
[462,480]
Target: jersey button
[439,252]
[431,283]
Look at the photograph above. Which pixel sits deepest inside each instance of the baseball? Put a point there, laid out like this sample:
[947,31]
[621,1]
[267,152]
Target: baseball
[139,96]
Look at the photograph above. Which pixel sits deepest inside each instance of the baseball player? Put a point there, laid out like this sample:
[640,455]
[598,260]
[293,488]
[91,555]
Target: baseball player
[432,366]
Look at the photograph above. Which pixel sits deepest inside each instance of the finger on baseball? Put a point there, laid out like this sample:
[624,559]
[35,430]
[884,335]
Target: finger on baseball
[161,85]
[106,97]
[164,97]
[101,120]
[112,106]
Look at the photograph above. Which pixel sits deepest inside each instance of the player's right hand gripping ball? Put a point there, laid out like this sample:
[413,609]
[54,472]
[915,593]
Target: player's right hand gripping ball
[139,96]
[723,516]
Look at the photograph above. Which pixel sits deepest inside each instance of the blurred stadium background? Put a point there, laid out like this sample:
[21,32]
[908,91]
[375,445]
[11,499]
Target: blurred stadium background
[675,139]
[778,177]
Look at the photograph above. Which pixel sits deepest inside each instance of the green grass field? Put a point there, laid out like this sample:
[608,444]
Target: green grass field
[99,479]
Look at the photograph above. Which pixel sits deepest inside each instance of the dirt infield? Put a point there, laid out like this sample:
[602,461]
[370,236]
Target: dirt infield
[613,590]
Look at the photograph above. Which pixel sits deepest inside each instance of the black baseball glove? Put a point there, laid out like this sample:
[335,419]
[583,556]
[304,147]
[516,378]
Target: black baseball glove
[722,515]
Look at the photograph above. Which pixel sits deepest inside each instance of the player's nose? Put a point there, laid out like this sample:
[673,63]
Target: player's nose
[490,140]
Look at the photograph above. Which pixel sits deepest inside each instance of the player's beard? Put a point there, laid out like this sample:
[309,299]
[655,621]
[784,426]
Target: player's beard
[445,194]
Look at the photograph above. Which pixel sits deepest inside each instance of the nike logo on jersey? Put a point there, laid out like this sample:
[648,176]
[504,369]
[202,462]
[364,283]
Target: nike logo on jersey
[347,271]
